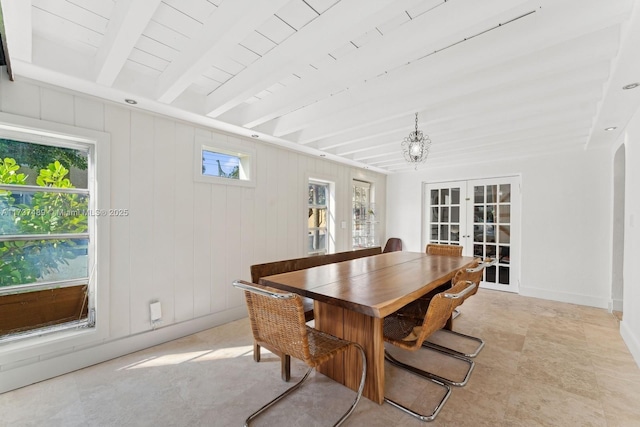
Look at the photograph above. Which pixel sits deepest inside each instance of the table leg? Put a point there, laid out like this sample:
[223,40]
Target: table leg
[360,328]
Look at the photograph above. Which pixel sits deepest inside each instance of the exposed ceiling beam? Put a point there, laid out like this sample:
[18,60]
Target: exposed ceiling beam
[441,26]
[449,134]
[510,134]
[128,20]
[224,29]
[460,117]
[426,82]
[329,31]
[406,104]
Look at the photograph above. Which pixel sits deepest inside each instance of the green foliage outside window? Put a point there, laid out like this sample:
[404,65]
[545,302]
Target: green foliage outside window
[27,261]
[38,157]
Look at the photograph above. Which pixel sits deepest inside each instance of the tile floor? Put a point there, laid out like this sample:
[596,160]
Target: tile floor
[544,364]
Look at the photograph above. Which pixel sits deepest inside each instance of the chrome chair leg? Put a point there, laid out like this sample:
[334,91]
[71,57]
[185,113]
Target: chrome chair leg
[448,350]
[360,388]
[277,399]
[420,373]
[419,416]
[304,378]
[432,376]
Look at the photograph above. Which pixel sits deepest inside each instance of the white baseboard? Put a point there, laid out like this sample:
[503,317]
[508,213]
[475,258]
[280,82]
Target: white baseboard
[39,370]
[571,298]
[632,341]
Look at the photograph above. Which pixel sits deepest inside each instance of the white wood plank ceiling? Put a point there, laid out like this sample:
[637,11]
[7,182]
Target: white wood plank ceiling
[344,78]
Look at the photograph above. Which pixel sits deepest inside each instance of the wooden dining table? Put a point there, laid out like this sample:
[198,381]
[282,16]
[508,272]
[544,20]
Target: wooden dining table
[351,299]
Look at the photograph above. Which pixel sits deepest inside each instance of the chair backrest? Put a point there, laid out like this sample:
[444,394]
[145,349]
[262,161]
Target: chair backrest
[441,307]
[277,319]
[473,273]
[393,244]
[452,250]
[400,329]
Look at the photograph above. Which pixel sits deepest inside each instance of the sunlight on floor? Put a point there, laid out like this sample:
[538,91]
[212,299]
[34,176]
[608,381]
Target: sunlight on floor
[194,356]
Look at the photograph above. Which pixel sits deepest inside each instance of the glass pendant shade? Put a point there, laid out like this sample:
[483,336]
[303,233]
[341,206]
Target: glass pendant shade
[415,147]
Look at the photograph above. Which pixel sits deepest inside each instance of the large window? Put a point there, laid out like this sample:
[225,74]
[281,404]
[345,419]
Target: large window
[318,218]
[46,237]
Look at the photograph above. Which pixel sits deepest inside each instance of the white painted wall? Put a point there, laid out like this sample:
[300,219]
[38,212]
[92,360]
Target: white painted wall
[184,241]
[630,325]
[566,220]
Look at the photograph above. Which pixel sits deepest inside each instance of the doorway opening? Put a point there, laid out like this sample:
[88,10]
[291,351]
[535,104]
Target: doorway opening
[617,264]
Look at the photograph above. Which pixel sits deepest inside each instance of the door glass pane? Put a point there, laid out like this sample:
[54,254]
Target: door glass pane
[505,234]
[491,193]
[478,233]
[478,194]
[504,255]
[444,196]
[491,233]
[477,251]
[455,233]
[444,214]
[478,214]
[505,193]
[505,213]
[455,214]
[434,232]
[455,196]
[490,274]
[491,251]
[491,213]
[434,214]
[444,232]
[503,275]
[434,197]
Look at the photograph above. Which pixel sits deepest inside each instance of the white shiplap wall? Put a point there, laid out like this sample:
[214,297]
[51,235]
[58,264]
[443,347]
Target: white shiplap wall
[183,241]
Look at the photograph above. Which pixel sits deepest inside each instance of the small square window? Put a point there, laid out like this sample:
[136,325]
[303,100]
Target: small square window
[220,164]
[224,163]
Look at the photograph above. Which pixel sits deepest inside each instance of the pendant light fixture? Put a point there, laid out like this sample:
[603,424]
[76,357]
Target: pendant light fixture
[415,147]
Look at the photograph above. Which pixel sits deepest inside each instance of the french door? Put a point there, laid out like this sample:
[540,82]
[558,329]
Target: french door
[483,216]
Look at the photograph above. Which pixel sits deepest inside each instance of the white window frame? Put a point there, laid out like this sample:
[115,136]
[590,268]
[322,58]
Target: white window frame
[371,220]
[98,144]
[331,211]
[241,149]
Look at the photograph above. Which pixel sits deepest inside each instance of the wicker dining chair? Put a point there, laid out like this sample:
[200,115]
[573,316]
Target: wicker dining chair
[277,319]
[408,332]
[451,250]
[472,274]
[436,249]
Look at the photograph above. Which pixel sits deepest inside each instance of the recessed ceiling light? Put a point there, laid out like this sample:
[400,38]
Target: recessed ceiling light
[131,101]
[255,136]
[323,155]
[611,128]
[631,86]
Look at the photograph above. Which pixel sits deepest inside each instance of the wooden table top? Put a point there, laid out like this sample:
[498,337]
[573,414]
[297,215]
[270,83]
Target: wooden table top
[376,285]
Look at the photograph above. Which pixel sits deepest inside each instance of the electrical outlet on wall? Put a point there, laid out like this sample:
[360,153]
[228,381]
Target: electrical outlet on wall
[155,309]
